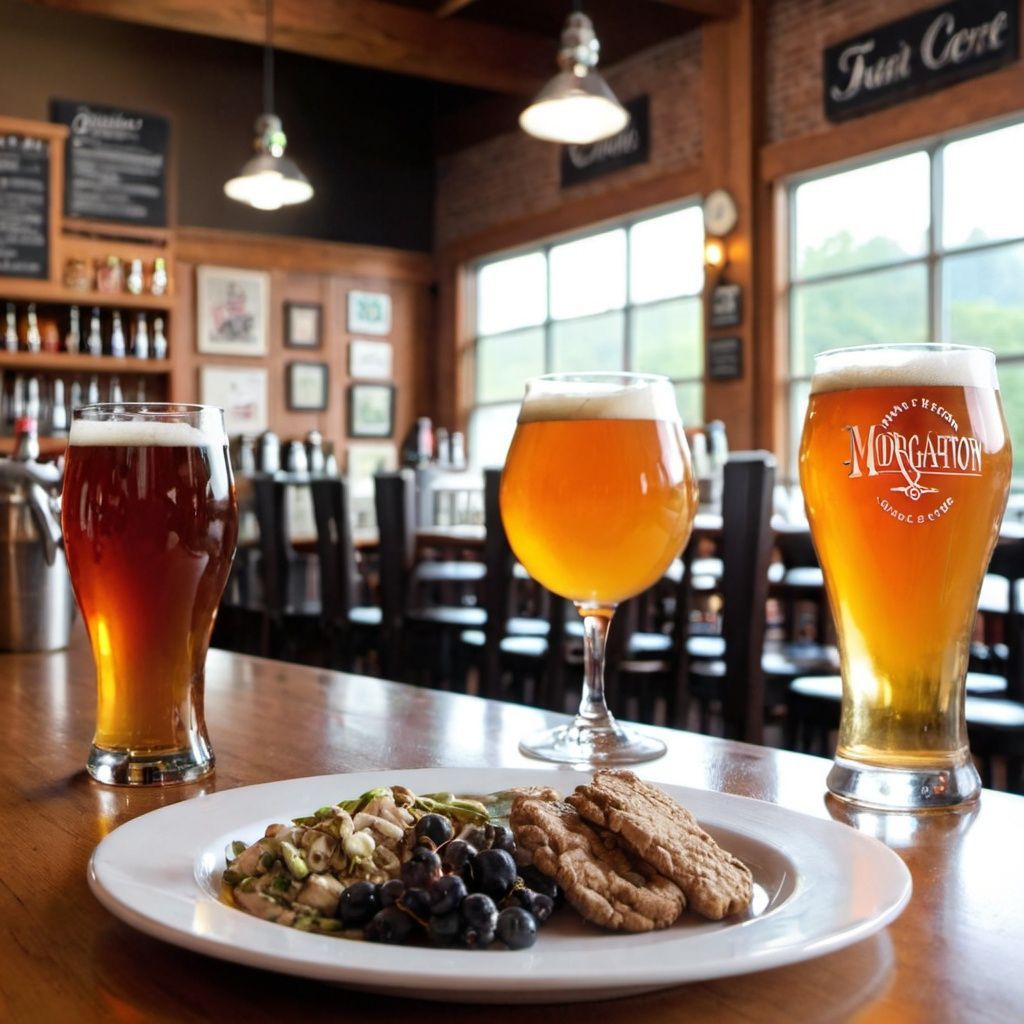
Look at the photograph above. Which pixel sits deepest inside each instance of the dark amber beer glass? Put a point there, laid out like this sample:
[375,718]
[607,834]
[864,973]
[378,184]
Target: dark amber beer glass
[597,498]
[905,466]
[150,524]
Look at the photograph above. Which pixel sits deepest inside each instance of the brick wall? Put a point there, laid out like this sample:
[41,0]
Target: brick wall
[512,176]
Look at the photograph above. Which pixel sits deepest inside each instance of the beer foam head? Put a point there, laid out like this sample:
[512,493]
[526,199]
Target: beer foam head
[882,366]
[144,434]
[614,397]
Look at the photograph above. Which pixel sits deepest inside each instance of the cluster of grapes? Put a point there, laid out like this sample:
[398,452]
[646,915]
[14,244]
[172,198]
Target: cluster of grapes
[454,893]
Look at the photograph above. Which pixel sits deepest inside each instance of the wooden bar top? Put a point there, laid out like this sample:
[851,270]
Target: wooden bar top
[955,954]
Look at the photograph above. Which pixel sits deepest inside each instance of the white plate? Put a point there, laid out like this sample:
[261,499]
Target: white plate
[819,886]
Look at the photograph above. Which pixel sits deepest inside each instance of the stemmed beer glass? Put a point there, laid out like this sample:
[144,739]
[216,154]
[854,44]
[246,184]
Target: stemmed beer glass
[597,498]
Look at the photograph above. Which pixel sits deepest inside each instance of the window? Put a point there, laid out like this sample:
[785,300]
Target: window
[625,297]
[929,244]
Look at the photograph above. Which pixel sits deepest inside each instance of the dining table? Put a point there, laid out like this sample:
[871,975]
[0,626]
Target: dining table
[955,953]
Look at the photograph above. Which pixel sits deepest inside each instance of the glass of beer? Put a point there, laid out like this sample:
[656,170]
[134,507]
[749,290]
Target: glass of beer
[597,498]
[150,523]
[905,468]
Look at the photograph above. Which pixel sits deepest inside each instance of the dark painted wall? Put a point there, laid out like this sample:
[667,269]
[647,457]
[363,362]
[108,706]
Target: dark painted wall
[363,138]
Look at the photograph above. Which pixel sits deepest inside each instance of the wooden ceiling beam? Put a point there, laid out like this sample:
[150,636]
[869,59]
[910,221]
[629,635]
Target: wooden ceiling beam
[450,7]
[368,33]
[706,8]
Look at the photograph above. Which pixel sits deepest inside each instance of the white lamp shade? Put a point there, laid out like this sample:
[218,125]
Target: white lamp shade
[268,183]
[575,110]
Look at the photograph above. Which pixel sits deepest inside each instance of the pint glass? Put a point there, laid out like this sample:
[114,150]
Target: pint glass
[905,469]
[150,523]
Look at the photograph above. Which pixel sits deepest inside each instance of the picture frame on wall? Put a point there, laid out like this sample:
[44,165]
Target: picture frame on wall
[369,312]
[364,458]
[371,410]
[370,360]
[302,322]
[307,386]
[241,391]
[232,311]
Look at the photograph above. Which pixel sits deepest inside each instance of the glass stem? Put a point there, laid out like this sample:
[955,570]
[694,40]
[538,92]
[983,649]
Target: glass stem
[594,713]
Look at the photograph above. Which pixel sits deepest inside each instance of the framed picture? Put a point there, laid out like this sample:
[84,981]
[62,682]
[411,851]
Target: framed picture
[369,359]
[232,309]
[241,391]
[302,324]
[369,312]
[307,387]
[371,410]
[368,457]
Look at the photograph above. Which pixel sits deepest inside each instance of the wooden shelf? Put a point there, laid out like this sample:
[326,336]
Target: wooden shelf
[22,289]
[55,362]
[49,447]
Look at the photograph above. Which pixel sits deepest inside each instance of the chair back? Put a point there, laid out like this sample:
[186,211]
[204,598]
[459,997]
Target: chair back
[269,497]
[394,499]
[1008,561]
[497,584]
[746,551]
[335,550]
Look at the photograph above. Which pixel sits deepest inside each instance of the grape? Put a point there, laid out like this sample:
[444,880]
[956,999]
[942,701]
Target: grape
[474,938]
[455,854]
[446,894]
[391,892]
[541,883]
[502,838]
[479,911]
[492,872]
[516,928]
[389,925]
[417,903]
[435,827]
[443,929]
[359,902]
[536,903]
[422,868]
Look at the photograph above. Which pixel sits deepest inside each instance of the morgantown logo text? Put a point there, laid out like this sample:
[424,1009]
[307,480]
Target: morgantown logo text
[914,457]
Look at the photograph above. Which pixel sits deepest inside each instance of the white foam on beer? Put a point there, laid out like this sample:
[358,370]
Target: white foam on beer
[593,400]
[882,367]
[142,434]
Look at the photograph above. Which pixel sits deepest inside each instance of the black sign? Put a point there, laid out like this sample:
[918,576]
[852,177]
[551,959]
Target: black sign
[116,163]
[24,206]
[919,54]
[630,146]
[725,358]
[726,305]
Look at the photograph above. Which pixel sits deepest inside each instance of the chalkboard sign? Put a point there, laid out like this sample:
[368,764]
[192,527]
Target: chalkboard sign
[630,146]
[115,163]
[24,206]
[725,358]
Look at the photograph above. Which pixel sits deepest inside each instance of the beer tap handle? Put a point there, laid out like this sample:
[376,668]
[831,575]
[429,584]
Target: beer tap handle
[41,505]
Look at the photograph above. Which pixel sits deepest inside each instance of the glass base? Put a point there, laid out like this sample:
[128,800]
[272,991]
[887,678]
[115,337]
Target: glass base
[125,768]
[904,789]
[586,744]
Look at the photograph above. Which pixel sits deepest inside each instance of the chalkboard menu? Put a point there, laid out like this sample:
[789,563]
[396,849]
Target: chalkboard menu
[115,163]
[24,206]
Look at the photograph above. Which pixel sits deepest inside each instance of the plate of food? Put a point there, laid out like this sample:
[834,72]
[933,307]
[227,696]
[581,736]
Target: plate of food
[510,885]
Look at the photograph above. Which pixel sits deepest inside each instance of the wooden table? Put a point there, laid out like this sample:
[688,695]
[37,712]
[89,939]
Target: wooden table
[954,955]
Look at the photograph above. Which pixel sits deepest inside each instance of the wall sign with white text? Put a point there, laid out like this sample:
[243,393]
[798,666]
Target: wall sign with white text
[630,146]
[919,54]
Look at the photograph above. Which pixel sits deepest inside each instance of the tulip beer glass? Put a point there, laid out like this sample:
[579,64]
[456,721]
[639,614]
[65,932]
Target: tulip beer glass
[150,523]
[905,468]
[597,498]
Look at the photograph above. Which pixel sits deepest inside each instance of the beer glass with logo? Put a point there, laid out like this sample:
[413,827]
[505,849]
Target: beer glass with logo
[597,498]
[150,522]
[905,469]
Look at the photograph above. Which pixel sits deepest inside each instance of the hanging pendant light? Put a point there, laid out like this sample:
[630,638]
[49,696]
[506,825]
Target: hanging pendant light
[269,180]
[576,106]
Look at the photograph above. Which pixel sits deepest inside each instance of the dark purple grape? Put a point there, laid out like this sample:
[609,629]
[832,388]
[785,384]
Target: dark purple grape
[539,882]
[443,929]
[391,892]
[359,902]
[502,838]
[492,872]
[536,903]
[474,938]
[417,903]
[516,928]
[422,869]
[389,925]
[446,894]
[479,912]
[455,854]
[435,827]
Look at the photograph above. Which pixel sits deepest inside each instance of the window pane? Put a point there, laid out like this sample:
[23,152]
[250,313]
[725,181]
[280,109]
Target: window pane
[504,362]
[981,188]
[983,298]
[667,338]
[863,218]
[490,433]
[589,276]
[511,293]
[594,343]
[888,305]
[1011,389]
[667,256]
[690,399]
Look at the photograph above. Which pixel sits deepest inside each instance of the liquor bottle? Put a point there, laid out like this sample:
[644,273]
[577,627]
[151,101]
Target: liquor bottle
[159,340]
[32,406]
[315,452]
[18,399]
[158,284]
[73,340]
[117,345]
[94,343]
[11,329]
[135,281]
[26,445]
[33,339]
[140,343]
[330,460]
[58,412]
[116,395]
[92,395]
[76,395]
[140,390]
